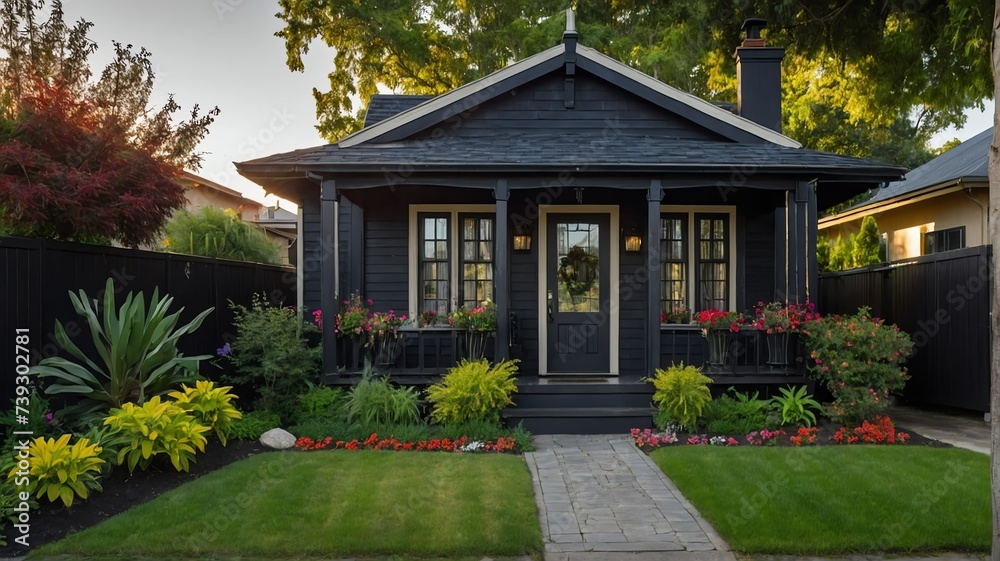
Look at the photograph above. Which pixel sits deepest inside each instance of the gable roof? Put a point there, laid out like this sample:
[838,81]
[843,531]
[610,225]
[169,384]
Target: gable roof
[445,106]
[561,149]
[383,106]
[966,162]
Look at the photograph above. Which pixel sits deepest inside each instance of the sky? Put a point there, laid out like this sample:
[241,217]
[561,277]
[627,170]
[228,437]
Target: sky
[224,53]
[218,53]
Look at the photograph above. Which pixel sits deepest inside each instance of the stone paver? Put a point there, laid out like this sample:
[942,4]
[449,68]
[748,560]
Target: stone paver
[600,494]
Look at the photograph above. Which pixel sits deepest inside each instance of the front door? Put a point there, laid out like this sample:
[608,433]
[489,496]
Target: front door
[578,294]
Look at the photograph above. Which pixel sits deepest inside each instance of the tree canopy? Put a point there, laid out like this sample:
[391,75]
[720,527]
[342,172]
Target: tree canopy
[872,79]
[84,158]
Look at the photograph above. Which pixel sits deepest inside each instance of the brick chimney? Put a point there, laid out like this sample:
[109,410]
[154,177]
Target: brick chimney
[758,77]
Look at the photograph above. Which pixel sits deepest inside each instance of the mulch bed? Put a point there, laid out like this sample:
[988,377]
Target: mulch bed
[122,491]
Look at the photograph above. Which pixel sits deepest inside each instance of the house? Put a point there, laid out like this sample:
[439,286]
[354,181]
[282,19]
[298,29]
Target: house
[279,225]
[584,197]
[940,206]
[201,192]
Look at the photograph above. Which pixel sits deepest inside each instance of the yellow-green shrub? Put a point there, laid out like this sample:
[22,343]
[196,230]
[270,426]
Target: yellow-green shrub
[473,391]
[210,405]
[156,428]
[681,394]
[61,471]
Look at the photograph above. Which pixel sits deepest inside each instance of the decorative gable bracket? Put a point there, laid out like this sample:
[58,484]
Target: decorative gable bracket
[570,37]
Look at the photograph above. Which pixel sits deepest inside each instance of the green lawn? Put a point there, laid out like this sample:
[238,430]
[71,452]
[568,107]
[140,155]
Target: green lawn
[837,500]
[331,504]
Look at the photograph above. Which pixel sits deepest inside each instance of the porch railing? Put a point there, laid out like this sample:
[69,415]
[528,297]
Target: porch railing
[427,351]
[747,354]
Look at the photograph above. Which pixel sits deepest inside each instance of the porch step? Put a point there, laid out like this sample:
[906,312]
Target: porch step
[580,420]
[586,395]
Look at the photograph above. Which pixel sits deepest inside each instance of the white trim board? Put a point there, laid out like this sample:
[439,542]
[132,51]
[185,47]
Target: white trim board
[614,274]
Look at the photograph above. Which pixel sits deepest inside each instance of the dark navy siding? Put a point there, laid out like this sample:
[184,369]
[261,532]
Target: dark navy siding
[600,108]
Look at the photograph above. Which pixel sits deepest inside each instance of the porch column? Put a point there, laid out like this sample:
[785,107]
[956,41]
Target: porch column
[501,279]
[328,271]
[653,197]
[797,212]
[812,229]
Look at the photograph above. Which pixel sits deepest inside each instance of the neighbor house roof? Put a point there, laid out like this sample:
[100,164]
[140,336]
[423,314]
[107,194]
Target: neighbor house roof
[965,163]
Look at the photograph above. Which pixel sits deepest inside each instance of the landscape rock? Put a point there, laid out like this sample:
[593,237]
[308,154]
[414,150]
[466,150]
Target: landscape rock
[278,439]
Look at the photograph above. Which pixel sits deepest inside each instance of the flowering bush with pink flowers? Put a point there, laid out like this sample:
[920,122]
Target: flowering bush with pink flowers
[859,359]
[647,439]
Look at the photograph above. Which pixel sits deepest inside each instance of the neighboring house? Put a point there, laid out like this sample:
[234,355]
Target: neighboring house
[655,199]
[279,224]
[940,206]
[203,192]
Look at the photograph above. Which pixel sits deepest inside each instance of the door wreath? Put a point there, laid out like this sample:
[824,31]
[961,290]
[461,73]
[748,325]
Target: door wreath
[578,271]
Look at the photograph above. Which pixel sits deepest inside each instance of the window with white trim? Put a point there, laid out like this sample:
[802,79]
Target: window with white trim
[454,259]
[696,259]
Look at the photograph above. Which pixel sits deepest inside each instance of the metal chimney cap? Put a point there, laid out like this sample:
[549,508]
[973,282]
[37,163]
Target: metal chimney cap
[752,27]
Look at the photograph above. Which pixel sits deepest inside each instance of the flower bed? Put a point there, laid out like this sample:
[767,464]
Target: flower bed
[881,431]
[373,442]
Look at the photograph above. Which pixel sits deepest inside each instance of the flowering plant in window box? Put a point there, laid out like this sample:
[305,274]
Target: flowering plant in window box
[480,318]
[680,315]
[713,319]
[381,324]
[774,317]
[428,318]
[353,317]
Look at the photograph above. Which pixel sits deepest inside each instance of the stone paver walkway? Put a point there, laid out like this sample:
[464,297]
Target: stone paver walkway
[601,494]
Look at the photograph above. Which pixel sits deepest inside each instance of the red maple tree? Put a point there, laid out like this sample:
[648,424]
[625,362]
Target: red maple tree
[81,160]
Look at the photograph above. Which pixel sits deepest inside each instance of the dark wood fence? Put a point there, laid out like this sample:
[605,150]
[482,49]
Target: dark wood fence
[39,274]
[943,302]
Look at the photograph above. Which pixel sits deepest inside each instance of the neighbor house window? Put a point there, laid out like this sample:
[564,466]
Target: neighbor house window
[944,240]
[452,259]
[696,259]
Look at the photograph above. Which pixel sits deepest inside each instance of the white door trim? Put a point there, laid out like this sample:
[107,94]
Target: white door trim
[614,272]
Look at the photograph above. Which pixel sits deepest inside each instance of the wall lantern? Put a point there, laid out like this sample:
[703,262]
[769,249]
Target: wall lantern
[633,241]
[522,241]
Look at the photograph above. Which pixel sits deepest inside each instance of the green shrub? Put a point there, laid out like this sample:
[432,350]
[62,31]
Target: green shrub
[210,405]
[137,355]
[60,470]
[272,356]
[796,407]
[157,428]
[320,403]
[736,413]
[214,232]
[473,391]
[681,394]
[374,401]
[254,424]
[859,360]
[320,428]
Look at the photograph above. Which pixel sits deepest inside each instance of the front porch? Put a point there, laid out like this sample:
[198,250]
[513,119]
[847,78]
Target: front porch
[579,404]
